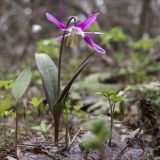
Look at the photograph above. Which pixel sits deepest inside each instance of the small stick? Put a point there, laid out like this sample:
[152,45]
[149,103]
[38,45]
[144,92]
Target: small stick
[130,141]
[74,139]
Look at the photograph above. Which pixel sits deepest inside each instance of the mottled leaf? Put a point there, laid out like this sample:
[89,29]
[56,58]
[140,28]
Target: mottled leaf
[49,75]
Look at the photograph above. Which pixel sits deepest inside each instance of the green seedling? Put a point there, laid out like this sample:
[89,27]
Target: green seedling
[26,112]
[36,104]
[43,128]
[6,85]
[99,135]
[79,113]
[6,103]
[4,107]
[112,98]
[4,115]
[20,86]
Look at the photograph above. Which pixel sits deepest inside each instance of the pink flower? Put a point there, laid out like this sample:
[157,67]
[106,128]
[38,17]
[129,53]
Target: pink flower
[78,29]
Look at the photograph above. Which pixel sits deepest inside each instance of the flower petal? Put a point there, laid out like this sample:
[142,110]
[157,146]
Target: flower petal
[54,20]
[94,45]
[92,33]
[86,23]
[60,38]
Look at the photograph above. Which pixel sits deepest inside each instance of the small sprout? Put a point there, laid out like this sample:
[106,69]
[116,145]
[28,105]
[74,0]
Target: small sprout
[8,113]
[6,85]
[111,95]
[4,112]
[67,112]
[36,103]
[80,113]
[6,103]
[113,98]
[4,115]
[43,128]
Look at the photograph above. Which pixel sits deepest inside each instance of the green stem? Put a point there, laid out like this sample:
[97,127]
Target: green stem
[16,131]
[60,54]
[111,124]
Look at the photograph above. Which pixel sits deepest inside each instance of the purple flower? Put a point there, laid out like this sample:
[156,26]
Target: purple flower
[78,29]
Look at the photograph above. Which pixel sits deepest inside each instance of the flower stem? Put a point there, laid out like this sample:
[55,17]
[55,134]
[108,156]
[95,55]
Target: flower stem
[60,54]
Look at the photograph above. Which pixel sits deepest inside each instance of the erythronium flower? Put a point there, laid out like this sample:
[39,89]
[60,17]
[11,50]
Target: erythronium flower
[78,29]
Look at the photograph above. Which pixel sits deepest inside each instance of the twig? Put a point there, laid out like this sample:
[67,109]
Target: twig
[130,141]
[74,139]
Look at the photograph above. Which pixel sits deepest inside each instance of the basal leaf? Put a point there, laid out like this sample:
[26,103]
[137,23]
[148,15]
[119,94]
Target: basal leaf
[49,75]
[21,83]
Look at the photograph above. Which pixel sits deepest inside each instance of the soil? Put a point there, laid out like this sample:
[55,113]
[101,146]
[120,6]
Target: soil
[127,144]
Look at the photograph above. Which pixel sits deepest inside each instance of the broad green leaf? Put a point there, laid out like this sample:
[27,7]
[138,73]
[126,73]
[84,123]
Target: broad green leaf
[49,75]
[21,83]
[5,105]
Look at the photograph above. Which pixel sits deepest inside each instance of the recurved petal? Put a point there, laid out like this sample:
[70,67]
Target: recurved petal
[55,21]
[86,23]
[94,45]
[60,38]
[93,33]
